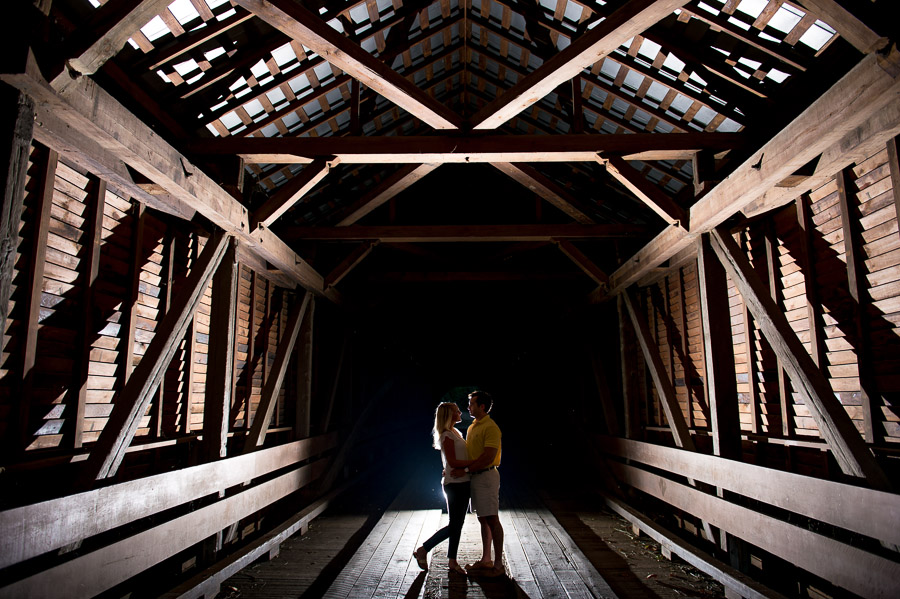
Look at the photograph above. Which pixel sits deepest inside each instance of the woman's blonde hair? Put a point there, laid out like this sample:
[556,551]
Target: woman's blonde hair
[443,421]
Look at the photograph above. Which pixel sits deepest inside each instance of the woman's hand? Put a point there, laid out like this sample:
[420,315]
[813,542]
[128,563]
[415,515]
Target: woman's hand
[457,472]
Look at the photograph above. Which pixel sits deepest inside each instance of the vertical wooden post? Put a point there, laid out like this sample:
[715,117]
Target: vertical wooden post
[719,351]
[750,347]
[97,202]
[220,362]
[168,275]
[137,250]
[628,352]
[808,264]
[304,371]
[35,284]
[355,125]
[250,365]
[16,134]
[686,367]
[784,383]
[190,348]
[577,110]
[894,166]
[856,281]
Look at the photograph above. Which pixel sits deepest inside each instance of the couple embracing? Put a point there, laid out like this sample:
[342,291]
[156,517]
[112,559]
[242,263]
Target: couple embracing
[470,470]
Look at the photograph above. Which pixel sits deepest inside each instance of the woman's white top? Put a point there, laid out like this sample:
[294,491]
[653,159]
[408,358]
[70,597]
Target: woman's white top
[459,447]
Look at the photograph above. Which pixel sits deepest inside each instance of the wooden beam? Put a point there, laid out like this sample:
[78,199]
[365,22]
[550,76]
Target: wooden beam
[857,570]
[469,233]
[630,376]
[865,511]
[848,26]
[220,359]
[34,285]
[835,426]
[545,188]
[858,111]
[307,28]
[107,32]
[582,262]
[668,399]
[384,191]
[350,262]
[97,117]
[98,511]
[773,275]
[290,193]
[719,353]
[16,134]
[305,374]
[857,285]
[894,166]
[96,204]
[96,571]
[646,192]
[619,27]
[274,380]
[459,149]
[735,582]
[130,406]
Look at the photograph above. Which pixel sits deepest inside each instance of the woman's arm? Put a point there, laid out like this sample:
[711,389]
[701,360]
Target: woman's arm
[450,451]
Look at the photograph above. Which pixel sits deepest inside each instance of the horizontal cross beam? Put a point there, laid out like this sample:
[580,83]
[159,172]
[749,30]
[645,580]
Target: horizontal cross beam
[461,149]
[469,233]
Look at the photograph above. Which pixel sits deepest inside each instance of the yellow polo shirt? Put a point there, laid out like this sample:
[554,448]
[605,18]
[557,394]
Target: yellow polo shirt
[481,434]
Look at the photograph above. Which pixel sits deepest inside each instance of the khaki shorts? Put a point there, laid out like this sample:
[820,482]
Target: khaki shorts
[486,493]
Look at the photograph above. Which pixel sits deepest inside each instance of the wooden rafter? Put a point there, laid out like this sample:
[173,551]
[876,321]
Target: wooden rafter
[108,31]
[349,263]
[646,192]
[308,29]
[546,189]
[847,25]
[459,149]
[472,233]
[119,136]
[130,406]
[835,426]
[583,262]
[864,96]
[292,192]
[622,25]
[387,189]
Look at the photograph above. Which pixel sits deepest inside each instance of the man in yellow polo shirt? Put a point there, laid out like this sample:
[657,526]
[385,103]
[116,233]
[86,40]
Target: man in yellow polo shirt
[483,445]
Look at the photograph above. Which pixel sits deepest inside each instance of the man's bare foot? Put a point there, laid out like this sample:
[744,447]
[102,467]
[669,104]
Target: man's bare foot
[481,564]
[495,572]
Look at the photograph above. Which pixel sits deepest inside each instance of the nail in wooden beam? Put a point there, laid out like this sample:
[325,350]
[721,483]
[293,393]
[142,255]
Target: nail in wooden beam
[130,406]
[719,352]
[220,362]
[835,426]
[35,284]
[856,282]
[257,435]
[97,200]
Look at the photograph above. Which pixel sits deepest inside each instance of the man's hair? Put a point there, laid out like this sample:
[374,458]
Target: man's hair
[483,398]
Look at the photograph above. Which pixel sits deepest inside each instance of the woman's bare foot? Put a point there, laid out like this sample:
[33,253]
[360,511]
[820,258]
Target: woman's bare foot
[421,557]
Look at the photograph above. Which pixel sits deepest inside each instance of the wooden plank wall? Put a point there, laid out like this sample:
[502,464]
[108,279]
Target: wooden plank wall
[811,283]
[94,325]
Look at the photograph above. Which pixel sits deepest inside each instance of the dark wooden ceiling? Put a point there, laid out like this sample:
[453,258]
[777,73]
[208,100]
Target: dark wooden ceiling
[442,141]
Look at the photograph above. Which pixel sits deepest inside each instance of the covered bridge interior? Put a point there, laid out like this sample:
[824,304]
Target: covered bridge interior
[248,245]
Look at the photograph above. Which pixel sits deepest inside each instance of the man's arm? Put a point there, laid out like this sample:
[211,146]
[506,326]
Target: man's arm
[484,460]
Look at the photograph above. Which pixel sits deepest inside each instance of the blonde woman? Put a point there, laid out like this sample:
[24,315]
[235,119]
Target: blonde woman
[456,489]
